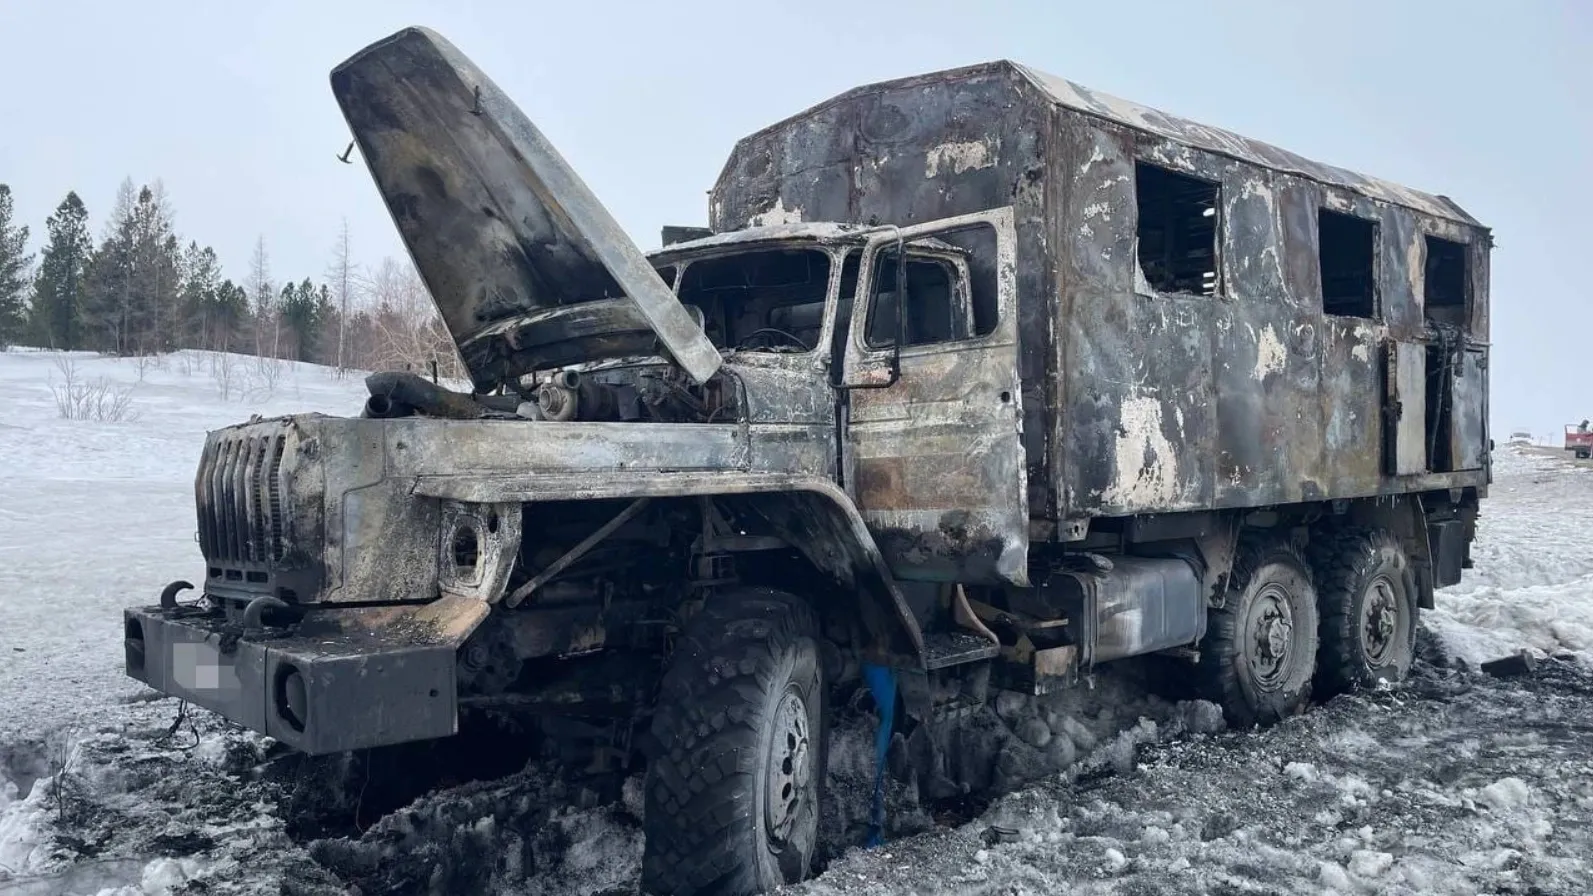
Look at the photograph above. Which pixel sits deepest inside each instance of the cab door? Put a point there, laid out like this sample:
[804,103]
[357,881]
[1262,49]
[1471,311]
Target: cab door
[932,449]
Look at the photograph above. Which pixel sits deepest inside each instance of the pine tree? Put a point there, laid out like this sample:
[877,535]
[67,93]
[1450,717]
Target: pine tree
[298,311]
[14,264]
[56,318]
[198,299]
[166,296]
[108,303]
[329,322]
[231,314]
[133,280]
[152,315]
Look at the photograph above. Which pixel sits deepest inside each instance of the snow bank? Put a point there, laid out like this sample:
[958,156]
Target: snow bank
[1532,585]
[24,821]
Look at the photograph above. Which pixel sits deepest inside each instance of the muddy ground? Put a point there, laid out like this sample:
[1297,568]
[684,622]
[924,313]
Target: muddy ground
[1457,782]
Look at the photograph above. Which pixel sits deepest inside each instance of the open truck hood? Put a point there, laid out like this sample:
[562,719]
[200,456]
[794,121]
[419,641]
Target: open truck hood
[498,224]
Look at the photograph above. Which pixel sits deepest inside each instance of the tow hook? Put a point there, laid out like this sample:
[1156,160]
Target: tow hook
[168,595]
[256,609]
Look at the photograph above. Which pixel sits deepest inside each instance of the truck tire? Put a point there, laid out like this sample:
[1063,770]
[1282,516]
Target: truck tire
[733,789]
[1258,656]
[1366,592]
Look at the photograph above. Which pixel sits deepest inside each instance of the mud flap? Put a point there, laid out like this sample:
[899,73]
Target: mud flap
[1447,540]
[342,679]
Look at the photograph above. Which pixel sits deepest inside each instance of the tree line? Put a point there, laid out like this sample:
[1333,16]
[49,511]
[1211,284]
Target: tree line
[140,289]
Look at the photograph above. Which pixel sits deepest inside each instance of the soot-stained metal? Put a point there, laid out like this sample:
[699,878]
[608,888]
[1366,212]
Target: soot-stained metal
[1136,399]
[497,222]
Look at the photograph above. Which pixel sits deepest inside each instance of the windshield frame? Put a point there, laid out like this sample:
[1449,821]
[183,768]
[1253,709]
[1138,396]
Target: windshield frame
[673,266]
[671,263]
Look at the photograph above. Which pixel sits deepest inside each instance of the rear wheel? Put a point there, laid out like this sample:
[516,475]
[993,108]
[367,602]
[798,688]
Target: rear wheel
[1367,594]
[732,793]
[1259,653]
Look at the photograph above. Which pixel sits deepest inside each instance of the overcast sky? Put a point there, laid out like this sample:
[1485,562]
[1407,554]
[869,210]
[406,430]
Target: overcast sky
[228,104]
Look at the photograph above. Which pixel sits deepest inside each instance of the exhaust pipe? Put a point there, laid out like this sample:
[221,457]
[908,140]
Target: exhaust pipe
[402,394]
[380,407]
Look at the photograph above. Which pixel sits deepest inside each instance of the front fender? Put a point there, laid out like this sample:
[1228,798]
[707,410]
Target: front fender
[812,513]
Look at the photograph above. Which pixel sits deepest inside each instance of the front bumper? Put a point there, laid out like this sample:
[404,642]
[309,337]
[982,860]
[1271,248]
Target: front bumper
[341,679]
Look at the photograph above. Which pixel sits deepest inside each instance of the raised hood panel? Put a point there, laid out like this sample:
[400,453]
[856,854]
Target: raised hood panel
[498,224]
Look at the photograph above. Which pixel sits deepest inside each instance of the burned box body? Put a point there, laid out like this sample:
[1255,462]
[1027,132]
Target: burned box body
[1205,321]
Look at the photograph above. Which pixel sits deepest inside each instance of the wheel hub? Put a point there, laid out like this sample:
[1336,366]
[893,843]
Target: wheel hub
[1272,637]
[1379,620]
[790,766]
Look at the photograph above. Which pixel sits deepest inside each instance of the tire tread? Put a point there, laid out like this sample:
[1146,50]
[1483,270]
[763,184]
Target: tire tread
[1216,674]
[1340,560]
[707,728]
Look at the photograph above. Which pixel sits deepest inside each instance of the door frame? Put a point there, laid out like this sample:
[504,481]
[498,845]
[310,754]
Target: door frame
[950,409]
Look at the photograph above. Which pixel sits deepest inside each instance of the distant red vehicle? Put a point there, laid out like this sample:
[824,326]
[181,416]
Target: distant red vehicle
[1579,438]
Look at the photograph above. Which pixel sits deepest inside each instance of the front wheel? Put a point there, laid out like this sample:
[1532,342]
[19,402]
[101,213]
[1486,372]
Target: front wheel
[732,796]
[1259,653]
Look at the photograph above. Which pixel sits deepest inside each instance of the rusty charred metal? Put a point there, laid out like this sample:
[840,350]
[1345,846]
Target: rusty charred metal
[327,686]
[1246,365]
[980,376]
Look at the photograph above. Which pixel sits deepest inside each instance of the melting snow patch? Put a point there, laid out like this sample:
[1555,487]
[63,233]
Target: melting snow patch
[25,824]
[1115,861]
[1332,876]
[1301,771]
[1506,794]
[1366,863]
[166,875]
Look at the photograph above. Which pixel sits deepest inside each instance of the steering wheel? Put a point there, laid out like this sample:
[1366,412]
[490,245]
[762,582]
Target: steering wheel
[763,335]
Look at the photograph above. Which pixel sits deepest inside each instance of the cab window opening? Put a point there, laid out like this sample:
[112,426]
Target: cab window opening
[931,302]
[763,301]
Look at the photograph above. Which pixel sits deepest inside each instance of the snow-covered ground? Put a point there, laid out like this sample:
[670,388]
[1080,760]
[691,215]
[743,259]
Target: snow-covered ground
[1533,582]
[95,516]
[1455,783]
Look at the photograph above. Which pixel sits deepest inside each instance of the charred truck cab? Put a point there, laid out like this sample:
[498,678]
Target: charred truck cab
[976,381]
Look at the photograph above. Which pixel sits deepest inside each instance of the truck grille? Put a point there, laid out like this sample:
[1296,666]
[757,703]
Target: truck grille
[241,514]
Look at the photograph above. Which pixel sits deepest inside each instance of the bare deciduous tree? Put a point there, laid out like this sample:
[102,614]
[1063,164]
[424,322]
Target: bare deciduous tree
[267,372]
[344,278]
[262,295]
[222,371]
[400,328]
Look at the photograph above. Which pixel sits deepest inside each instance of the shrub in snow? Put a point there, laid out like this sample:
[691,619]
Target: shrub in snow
[98,400]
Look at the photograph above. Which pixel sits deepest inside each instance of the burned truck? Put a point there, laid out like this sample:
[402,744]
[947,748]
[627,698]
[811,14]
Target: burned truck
[975,382]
